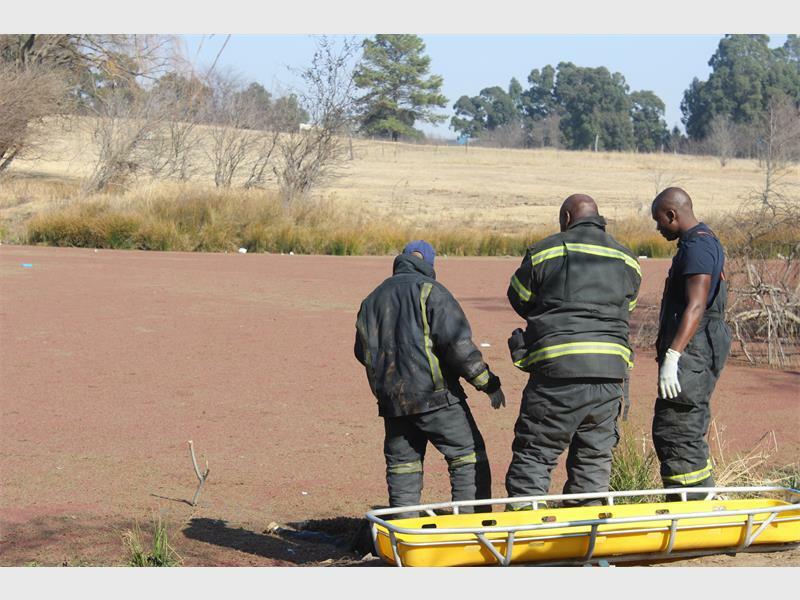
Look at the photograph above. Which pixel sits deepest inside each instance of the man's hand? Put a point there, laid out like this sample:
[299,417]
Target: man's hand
[498,399]
[668,384]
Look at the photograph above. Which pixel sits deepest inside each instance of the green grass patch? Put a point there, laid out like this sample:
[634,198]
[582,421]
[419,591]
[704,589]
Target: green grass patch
[159,554]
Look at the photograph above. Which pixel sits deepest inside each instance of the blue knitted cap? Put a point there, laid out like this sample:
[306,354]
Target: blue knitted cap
[424,248]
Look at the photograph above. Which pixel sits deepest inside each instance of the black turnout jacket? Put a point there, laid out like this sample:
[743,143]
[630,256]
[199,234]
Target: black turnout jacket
[415,342]
[575,290]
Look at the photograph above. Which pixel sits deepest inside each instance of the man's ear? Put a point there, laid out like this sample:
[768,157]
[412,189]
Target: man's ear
[672,215]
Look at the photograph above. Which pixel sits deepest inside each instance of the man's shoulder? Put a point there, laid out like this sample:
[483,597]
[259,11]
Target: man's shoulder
[702,239]
[551,241]
[439,289]
[614,243]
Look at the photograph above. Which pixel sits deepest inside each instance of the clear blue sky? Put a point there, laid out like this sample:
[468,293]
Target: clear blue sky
[664,64]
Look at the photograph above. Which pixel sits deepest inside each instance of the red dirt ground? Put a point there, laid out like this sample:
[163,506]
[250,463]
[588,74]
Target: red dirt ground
[111,360]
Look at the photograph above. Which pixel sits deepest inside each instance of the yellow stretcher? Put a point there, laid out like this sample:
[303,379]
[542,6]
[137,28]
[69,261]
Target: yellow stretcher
[729,519]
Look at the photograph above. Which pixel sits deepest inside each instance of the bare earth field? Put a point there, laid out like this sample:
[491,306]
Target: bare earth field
[110,361]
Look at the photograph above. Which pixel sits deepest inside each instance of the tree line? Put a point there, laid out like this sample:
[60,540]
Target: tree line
[583,107]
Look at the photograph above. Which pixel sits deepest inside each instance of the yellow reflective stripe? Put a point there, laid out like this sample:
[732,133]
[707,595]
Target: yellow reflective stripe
[403,468]
[575,348]
[523,292]
[693,477]
[481,378]
[607,252]
[433,362]
[631,305]
[544,255]
[460,461]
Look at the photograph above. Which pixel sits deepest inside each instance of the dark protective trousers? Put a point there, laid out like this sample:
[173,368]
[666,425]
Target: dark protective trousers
[680,425]
[560,413]
[453,432]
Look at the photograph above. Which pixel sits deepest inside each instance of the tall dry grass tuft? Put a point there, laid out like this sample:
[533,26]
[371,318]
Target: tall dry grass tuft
[634,466]
[744,468]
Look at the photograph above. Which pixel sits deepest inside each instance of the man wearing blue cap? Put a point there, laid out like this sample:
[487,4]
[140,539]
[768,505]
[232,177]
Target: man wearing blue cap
[415,342]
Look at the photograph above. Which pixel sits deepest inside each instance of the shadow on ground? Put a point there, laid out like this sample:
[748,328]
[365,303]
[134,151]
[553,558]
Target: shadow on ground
[341,541]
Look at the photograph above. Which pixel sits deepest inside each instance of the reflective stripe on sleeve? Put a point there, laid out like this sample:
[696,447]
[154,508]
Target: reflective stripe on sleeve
[523,292]
[481,378]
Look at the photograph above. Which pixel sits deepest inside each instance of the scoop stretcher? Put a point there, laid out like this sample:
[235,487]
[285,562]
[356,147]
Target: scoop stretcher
[728,519]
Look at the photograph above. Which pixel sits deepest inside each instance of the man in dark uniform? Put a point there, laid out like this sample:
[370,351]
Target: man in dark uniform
[575,289]
[692,346]
[415,342]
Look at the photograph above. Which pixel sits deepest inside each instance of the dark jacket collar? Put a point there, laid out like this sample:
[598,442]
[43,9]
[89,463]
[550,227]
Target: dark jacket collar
[597,221]
[408,263]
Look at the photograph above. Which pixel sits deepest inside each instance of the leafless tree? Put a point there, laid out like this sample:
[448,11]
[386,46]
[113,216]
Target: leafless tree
[318,152]
[170,151]
[231,124]
[509,135]
[721,139]
[28,93]
[765,265]
[126,113]
[545,132]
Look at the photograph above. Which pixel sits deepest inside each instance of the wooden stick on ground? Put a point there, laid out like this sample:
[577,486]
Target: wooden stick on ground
[201,477]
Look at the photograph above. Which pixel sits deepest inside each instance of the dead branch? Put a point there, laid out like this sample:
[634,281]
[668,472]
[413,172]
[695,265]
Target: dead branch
[201,477]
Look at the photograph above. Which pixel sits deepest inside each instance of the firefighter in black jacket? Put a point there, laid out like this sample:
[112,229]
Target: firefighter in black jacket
[575,289]
[692,346]
[415,342]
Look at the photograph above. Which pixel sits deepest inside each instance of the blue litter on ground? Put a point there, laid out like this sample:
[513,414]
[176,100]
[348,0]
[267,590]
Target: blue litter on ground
[27,265]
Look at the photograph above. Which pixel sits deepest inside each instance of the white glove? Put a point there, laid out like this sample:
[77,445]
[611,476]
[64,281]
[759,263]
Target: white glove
[668,384]
[498,399]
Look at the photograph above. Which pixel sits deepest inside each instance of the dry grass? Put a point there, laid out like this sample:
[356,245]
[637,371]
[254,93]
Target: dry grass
[750,468]
[502,189]
[467,200]
[635,465]
[192,218]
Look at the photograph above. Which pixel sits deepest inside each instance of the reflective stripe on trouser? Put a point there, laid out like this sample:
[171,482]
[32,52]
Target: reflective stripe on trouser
[452,431]
[558,414]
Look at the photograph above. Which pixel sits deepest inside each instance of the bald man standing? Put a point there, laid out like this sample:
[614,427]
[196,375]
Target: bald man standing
[692,346]
[575,290]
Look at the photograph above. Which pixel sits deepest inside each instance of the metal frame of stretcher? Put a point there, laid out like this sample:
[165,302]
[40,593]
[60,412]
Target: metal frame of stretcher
[678,522]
